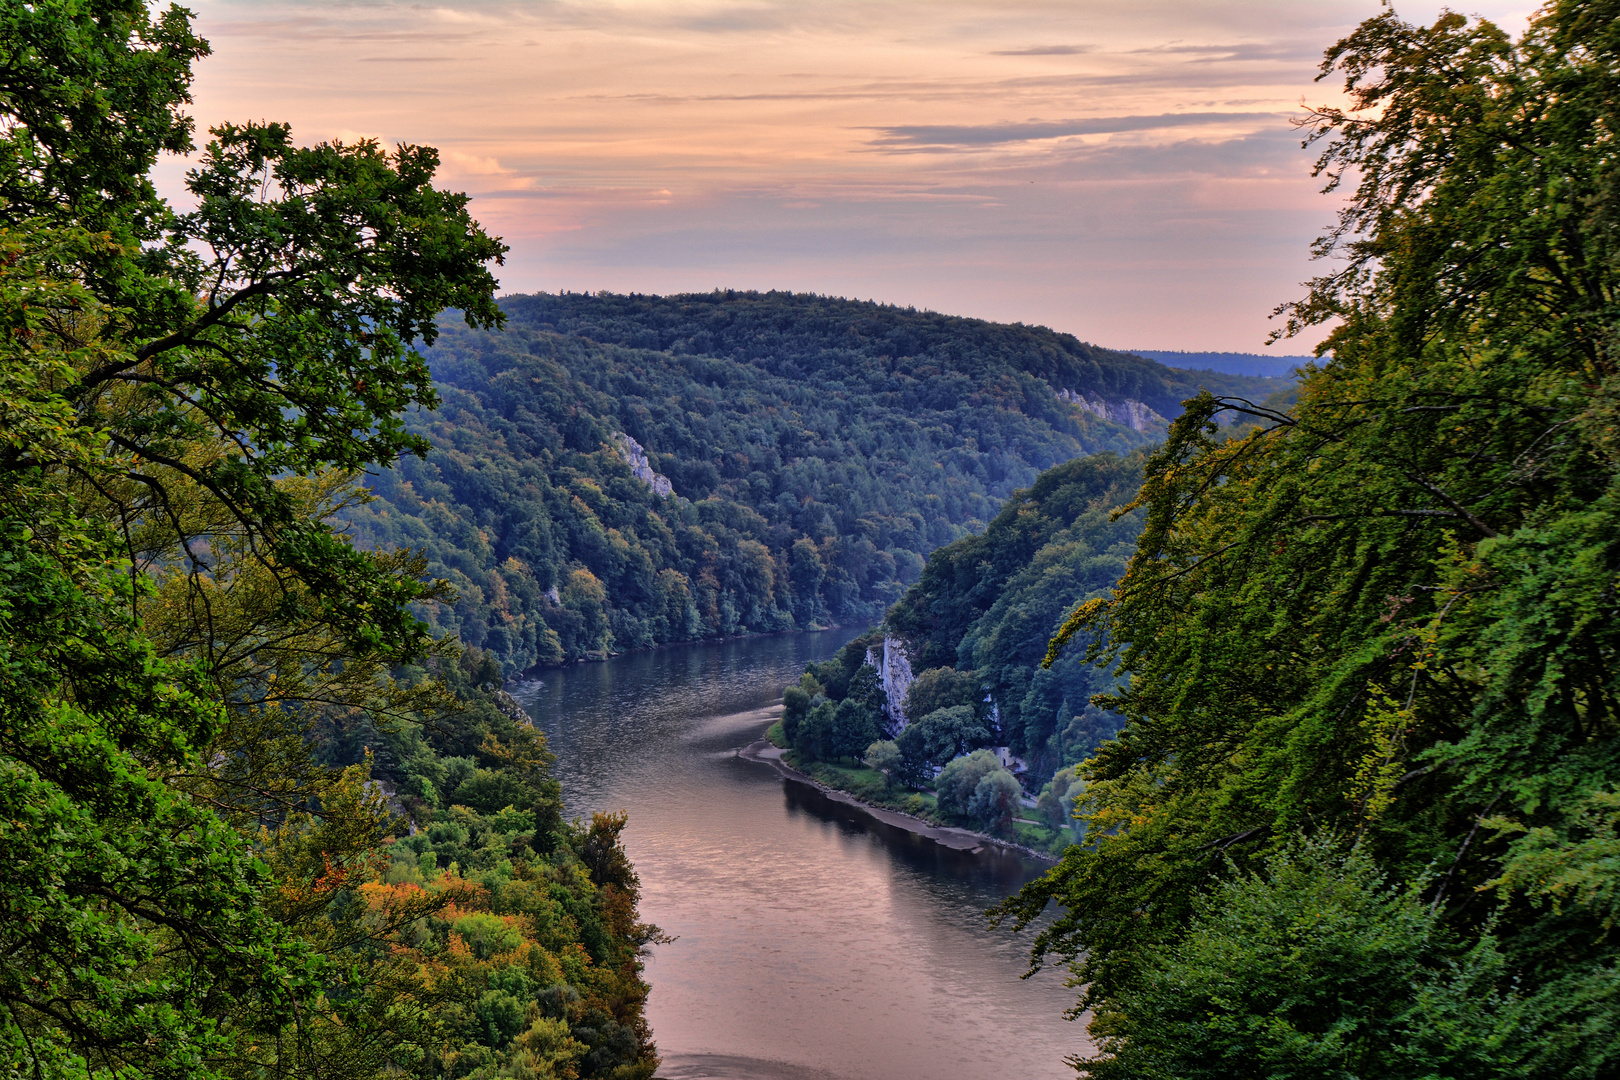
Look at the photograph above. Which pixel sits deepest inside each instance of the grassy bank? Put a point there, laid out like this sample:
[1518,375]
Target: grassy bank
[871,786]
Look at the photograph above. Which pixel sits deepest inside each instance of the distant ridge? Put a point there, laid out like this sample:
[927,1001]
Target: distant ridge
[613,472]
[1231,363]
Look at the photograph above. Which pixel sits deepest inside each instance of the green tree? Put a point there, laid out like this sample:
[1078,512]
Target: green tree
[855,726]
[884,756]
[977,790]
[817,737]
[182,398]
[1315,966]
[947,733]
[1389,612]
[795,706]
[943,688]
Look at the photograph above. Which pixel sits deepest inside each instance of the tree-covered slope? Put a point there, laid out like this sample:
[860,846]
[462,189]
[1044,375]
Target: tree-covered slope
[1362,817]
[899,355]
[818,450]
[988,605]
[255,820]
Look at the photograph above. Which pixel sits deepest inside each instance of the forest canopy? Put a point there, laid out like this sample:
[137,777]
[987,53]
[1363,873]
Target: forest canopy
[986,607]
[818,450]
[1361,816]
[256,817]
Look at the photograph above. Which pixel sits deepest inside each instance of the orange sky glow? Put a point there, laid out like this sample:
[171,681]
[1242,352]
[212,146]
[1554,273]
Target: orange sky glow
[1122,171]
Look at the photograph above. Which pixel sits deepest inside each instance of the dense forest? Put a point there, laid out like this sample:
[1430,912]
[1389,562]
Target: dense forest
[1363,813]
[975,628]
[1325,679]
[256,819]
[817,450]
[986,607]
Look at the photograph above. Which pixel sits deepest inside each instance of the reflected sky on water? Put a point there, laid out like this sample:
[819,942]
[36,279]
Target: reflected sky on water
[813,943]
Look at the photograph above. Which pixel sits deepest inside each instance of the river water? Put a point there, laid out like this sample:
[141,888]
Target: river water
[812,942]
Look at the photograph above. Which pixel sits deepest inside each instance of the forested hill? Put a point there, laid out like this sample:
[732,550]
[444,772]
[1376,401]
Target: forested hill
[857,346]
[817,450]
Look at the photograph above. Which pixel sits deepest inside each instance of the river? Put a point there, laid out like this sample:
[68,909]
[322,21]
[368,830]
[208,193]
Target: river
[812,943]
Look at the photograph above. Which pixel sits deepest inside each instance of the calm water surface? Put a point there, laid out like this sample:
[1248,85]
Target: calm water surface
[813,943]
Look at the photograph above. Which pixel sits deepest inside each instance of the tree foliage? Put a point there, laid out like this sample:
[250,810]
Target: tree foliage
[1387,614]
[818,449]
[201,708]
[976,789]
[979,618]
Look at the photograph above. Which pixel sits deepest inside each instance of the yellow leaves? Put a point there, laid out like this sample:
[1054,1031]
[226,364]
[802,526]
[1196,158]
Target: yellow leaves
[1384,726]
[1083,616]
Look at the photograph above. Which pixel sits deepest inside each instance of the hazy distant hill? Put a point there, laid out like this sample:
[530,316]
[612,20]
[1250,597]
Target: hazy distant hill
[1231,363]
[620,471]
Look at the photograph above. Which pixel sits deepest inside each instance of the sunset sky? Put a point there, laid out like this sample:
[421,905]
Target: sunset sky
[1122,171]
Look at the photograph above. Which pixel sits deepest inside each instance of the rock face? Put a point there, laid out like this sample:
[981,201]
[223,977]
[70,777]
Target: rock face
[1133,414]
[894,671]
[640,467]
[509,707]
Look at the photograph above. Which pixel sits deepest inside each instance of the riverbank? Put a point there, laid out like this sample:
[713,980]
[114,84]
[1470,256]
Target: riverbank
[767,753]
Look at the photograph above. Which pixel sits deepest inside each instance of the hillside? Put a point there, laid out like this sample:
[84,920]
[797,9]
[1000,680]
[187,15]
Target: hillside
[989,604]
[799,457]
[958,666]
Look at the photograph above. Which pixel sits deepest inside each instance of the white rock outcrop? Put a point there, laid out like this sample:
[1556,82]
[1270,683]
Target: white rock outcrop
[1130,412]
[640,467]
[894,671]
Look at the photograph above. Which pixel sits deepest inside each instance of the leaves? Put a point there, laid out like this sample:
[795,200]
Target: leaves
[1385,612]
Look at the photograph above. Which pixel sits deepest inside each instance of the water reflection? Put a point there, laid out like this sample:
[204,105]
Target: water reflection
[814,943]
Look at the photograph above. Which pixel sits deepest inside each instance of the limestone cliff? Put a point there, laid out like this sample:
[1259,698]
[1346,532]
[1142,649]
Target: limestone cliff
[640,467]
[1133,414]
[894,670]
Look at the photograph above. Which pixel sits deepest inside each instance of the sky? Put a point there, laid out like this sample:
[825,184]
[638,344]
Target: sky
[1123,171]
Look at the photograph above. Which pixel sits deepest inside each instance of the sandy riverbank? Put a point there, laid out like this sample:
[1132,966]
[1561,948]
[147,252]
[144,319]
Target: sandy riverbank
[761,750]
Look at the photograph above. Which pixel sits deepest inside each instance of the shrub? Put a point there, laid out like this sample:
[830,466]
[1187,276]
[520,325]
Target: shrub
[959,796]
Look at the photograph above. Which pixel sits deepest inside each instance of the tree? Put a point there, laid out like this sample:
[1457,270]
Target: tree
[1315,966]
[942,688]
[884,756]
[1388,613]
[951,732]
[795,706]
[182,399]
[855,725]
[915,768]
[866,688]
[978,790]
[817,737]
[995,801]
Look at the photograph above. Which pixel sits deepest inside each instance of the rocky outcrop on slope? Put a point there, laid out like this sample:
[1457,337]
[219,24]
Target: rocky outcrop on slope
[641,468]
[1130,412]
[894,670]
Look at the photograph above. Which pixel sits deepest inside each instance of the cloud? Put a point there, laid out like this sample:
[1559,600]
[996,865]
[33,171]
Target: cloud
[1045,50]
[1254,50]
[992,134]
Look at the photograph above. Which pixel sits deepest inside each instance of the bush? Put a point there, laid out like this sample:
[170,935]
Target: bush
[884,756]
[959,792]
[941,688]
